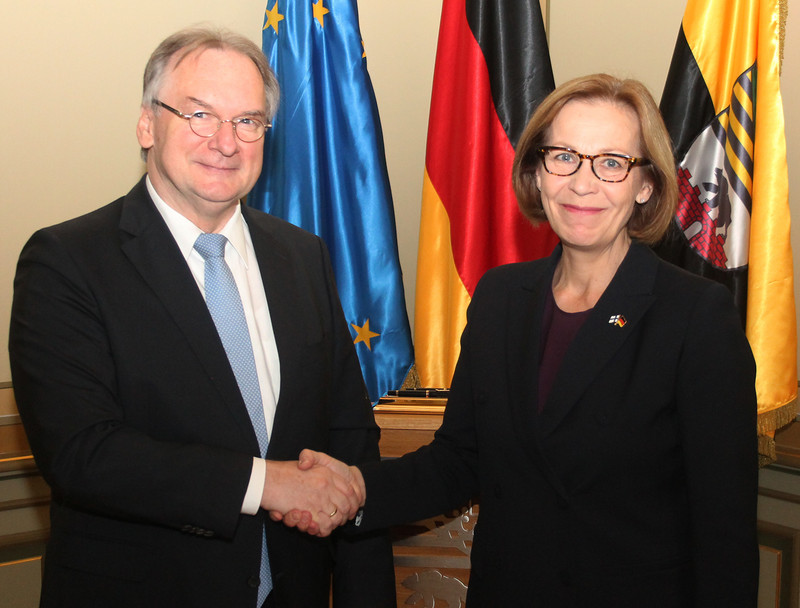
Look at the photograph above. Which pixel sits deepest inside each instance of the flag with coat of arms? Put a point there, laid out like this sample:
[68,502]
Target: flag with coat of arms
[722,106]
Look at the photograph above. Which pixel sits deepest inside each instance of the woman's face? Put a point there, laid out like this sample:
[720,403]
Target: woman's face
[588,214]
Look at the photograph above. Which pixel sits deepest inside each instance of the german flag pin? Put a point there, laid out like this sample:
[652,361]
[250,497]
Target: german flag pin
[618,320]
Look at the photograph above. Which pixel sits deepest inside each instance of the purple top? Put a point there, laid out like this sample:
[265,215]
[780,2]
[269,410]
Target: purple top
[558,331]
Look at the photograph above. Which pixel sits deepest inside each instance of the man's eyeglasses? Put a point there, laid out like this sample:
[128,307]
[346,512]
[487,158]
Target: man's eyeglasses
[206,124]
[606,167]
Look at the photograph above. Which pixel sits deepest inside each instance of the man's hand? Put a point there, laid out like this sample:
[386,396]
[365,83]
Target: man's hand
[304,519]
[316,498]
[310,459]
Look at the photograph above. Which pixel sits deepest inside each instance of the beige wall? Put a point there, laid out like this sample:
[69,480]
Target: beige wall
[75,68]
[71,74]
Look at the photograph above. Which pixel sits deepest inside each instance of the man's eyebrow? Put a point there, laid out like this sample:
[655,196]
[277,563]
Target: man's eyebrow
[249,113]
[254,114]
[200,103]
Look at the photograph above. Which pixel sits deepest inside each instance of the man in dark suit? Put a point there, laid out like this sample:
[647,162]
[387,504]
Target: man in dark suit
[137,409]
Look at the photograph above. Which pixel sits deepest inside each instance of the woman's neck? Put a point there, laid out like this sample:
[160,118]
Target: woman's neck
[581,277]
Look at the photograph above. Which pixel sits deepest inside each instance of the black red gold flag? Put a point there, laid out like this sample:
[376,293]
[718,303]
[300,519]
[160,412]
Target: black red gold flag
[492,69]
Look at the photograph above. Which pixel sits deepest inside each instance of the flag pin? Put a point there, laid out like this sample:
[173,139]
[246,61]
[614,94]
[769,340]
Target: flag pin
[618,320]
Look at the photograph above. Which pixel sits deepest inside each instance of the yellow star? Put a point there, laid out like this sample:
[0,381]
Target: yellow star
[273,18]
[319,12]
[364,52]
[364,334]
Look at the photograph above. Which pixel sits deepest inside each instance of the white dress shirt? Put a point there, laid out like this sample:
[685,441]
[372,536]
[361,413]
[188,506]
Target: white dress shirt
[240,257]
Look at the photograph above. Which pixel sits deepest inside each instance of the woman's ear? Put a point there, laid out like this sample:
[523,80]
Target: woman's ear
[644,194]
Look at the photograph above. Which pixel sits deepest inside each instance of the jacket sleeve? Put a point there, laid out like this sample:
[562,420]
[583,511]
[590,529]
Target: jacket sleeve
[84,438]
[444,474]
[363,575]
[716,401]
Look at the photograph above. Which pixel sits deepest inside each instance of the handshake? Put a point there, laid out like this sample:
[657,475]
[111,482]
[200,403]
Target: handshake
[315,494]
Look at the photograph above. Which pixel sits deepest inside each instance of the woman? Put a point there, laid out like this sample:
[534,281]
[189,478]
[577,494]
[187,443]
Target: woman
[603,406]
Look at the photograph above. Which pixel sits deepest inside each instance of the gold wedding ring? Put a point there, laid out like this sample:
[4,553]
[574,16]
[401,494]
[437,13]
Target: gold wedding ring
[334,512]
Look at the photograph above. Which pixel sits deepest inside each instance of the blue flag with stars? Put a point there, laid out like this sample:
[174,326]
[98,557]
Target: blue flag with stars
[325,171]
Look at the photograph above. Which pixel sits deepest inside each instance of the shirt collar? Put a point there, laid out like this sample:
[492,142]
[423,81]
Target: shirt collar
[186,232]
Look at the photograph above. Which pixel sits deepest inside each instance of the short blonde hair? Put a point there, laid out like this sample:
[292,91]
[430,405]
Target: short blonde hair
[649,221]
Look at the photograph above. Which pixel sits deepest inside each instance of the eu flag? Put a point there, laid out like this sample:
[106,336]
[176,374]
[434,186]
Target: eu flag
[325,171]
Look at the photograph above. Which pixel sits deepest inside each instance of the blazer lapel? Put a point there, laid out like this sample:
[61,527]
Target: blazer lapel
[613,319]
[524,327]
[152,250]
[291,325]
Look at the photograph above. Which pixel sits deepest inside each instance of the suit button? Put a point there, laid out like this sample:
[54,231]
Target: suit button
[562,503]
[253,582]
[565,578]
[498,491]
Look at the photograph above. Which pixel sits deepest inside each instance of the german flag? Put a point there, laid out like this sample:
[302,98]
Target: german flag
[722,105]
[492,70]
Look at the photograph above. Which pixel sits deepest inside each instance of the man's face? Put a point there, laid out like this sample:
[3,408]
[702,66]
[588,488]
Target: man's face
[203,178]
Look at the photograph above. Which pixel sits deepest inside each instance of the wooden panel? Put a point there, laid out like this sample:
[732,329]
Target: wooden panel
[431,556]
[24,506]
[13,441]
[769,580]
[7,403]
[779,580]
[20,582]
[787,445]
[432,559]
[407,423]
[779,531]
[15,453]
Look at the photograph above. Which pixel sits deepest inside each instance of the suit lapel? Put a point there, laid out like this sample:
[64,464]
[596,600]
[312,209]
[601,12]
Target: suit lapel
[611,322]
[152,250]
[524,327]
[290,326]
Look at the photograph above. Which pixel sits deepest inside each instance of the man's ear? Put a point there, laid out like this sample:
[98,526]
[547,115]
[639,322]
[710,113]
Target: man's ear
[145,128]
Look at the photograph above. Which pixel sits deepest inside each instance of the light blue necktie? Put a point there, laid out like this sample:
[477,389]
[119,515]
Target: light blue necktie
[225,305]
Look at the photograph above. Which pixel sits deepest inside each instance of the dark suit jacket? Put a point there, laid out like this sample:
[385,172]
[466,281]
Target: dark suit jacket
[135,419]
[636,486]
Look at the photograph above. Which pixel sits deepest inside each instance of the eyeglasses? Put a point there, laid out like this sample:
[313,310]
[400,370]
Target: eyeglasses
[206,124]
[606,167]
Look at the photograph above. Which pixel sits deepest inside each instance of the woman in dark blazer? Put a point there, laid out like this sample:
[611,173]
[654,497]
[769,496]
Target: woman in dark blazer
[603,409]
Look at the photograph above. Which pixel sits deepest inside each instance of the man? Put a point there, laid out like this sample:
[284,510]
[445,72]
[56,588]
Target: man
[147,418]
